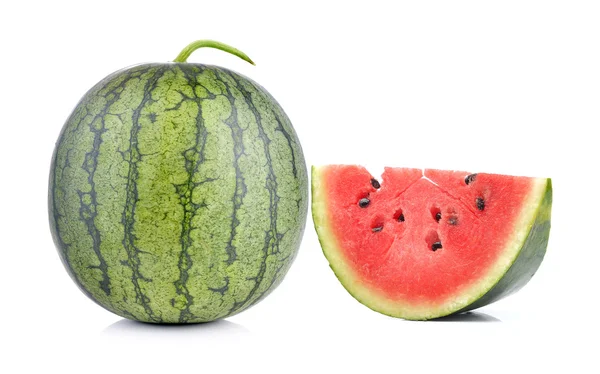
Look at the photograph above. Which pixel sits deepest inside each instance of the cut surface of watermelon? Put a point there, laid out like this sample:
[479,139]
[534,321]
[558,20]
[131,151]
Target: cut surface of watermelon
[421,244]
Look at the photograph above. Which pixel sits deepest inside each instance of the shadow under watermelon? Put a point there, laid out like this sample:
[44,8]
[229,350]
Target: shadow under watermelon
[468,317]
[125,327]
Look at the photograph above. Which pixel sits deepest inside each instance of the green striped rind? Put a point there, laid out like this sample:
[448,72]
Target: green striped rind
[178,193]
[514,268]
[529,257]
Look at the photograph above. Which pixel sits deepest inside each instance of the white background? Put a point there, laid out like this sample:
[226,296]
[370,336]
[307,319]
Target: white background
[509,87]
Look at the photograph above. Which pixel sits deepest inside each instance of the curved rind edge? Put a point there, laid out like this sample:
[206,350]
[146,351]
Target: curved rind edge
[520,260]
[529,257]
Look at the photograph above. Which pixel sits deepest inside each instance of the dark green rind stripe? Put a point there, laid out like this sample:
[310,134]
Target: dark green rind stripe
[527,262]
[298,187]
[286,130]
[128,216]
[108,89]
[212,185]
[160,214]
[194,156]
[113,173]
[271,236]
[240,185]
[54,214]
[88,210]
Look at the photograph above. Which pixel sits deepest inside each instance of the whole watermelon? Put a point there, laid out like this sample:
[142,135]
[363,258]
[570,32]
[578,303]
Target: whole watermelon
[178,192]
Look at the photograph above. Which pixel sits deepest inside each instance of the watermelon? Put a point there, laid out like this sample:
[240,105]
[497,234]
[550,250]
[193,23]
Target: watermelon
[178,192]
[422,244]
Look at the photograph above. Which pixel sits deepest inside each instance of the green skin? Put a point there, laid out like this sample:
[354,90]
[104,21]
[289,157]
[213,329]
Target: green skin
[527,262]
[178,192]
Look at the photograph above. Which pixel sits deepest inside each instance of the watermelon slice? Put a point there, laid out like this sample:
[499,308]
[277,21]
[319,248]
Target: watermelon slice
[422,244]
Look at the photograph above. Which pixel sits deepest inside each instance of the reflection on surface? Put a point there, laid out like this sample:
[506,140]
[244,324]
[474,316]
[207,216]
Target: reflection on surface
[468,317]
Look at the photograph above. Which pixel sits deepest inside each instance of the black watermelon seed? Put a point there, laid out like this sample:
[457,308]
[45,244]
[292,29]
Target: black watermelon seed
[375,183]
[401,218]
[470,178]
[377,229]
[364,202]
[435,246]
[438,216]
[480,203]
[453,220]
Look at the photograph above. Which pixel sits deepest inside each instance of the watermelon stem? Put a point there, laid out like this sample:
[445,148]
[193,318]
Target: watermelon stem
[187,51]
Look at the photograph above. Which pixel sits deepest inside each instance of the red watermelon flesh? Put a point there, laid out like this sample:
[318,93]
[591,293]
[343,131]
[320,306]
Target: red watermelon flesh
[421,244]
